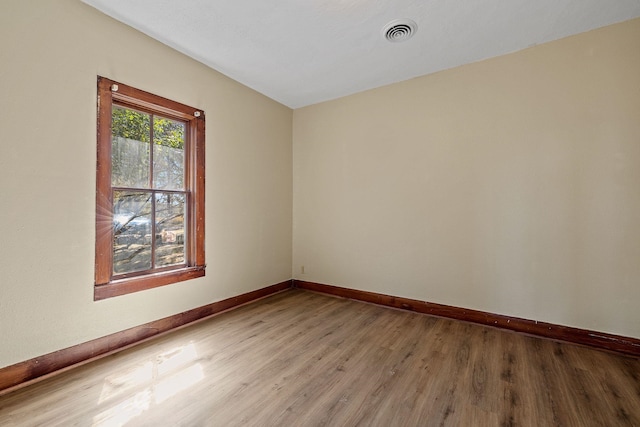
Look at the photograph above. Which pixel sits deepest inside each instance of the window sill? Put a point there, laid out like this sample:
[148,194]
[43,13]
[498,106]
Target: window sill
[135,284]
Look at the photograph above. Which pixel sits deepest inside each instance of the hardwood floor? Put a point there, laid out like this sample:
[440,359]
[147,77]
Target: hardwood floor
[303,359]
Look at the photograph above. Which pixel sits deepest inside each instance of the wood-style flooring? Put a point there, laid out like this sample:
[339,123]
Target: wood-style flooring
[299,358]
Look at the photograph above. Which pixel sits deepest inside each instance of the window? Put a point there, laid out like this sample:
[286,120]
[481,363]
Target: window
[149,191]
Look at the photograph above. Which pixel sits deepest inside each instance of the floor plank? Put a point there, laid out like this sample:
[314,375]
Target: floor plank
[301,358]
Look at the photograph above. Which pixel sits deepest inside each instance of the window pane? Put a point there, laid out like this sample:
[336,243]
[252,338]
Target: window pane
[130,130]
[170,227]
[168,154]
[131,231]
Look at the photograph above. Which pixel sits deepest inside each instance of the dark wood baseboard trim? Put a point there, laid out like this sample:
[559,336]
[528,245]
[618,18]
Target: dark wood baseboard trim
[600,340]
[23,373]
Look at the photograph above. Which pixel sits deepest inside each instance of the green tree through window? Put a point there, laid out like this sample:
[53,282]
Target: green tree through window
[151,202]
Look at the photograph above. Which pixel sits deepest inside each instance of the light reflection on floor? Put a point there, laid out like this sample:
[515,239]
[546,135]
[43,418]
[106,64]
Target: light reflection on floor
[162,377]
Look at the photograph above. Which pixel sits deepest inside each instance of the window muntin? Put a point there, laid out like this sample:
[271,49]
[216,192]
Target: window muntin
[150,191]
[149,195]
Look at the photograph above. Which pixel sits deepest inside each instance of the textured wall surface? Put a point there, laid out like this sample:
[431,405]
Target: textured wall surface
[50,55]
[508,185]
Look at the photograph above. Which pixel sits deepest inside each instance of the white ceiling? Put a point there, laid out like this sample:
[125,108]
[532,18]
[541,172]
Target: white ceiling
[301,52]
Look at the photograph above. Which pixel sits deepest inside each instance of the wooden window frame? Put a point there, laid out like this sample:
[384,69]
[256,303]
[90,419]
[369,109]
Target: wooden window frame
[109,93]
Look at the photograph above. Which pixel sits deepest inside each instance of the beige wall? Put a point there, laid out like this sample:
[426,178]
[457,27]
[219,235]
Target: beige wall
[510,185]
[50,55]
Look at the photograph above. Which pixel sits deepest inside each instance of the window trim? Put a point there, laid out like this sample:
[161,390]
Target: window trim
[105,286]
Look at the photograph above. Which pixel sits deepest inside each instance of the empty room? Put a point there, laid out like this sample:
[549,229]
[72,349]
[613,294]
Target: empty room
[334,212]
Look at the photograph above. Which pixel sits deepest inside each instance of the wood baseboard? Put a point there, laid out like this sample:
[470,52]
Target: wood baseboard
[23,373]
[600,340]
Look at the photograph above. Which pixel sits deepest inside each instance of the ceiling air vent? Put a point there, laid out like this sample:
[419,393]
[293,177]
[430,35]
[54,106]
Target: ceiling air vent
[399,30]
